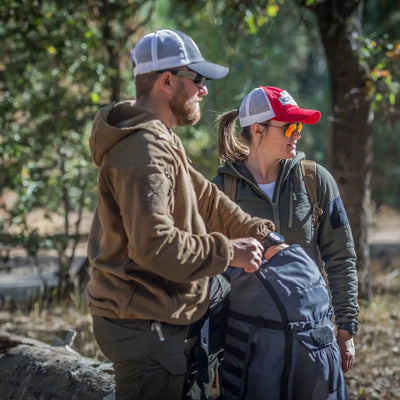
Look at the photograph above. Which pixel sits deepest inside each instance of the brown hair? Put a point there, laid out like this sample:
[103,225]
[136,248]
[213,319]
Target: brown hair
[230,148]
[144,83]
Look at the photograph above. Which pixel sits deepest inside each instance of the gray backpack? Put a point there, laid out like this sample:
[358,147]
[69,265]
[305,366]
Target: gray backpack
[280,341]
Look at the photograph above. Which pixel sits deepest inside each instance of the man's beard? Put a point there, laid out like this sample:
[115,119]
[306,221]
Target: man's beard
[186,112]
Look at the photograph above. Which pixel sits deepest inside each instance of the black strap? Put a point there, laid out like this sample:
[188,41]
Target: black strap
[233,370]
[237,353]
[259,322]
[230,387]
[237,333]
[204,350]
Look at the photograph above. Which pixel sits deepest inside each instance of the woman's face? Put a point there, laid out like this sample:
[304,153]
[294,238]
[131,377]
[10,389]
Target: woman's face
[274,142]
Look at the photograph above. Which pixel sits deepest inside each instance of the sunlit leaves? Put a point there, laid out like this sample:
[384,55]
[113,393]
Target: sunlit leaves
[259,16]
[95,97]
[383,56]
[51,50]
[54,72]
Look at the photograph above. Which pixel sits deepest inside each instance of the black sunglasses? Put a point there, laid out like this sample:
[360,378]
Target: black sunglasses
[199,80]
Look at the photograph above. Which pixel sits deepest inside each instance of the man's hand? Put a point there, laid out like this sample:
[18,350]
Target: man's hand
[347,350]
[247,254]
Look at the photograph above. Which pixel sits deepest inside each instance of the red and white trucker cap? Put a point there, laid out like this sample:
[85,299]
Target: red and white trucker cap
[167,48]
[266,102]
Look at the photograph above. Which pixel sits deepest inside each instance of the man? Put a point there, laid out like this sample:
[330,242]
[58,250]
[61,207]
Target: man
[160,228]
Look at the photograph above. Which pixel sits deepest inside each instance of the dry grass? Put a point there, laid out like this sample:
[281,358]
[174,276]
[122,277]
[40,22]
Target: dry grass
[376,374]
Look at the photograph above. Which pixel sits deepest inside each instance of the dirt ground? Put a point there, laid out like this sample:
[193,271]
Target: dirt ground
[376,374]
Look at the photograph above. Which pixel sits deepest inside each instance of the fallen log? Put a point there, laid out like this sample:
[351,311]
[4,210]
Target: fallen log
[30,369]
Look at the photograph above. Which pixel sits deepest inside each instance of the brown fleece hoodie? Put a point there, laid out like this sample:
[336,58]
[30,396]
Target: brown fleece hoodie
[160,228]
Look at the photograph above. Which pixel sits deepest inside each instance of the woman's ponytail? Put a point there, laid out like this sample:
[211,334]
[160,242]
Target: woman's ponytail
[229,146]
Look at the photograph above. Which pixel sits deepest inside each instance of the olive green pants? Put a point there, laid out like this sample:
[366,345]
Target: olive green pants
[145,367]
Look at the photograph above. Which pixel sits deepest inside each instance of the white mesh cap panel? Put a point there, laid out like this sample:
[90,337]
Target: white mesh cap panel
[164,49]
[255,108]
[168,48]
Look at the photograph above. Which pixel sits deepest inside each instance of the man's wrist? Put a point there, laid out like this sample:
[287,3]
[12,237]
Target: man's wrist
[272,239]
[351,327]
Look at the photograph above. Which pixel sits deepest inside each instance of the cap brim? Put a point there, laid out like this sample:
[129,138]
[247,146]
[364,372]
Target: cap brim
[209,70]
[299,115]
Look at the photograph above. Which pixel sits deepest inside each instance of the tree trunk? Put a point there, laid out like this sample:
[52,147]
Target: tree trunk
[351,143]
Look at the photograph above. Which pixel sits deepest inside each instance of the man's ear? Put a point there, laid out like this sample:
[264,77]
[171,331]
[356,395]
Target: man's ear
[165,82]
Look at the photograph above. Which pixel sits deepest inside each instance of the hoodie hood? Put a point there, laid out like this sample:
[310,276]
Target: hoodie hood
[115,122]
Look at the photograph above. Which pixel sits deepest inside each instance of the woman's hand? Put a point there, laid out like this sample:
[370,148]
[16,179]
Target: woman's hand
[272,250]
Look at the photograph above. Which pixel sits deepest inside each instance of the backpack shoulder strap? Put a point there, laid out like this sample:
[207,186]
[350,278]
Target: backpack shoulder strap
[309,173]
[230,185]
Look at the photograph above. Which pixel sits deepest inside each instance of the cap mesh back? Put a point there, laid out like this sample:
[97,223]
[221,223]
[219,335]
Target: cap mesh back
[255,108]
[164,49]
[258,103]
[168,46]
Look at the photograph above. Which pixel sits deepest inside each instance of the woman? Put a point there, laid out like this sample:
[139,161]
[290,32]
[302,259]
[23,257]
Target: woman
[262,173]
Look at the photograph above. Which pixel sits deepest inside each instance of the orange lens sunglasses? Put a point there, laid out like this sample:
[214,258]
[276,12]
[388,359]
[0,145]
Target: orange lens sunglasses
[289,129]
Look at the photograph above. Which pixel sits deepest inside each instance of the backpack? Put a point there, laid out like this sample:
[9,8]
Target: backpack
[309,175]
[205,342]
[204,345]
[280,341]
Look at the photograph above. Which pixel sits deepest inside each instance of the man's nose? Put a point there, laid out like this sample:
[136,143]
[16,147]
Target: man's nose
[203,91]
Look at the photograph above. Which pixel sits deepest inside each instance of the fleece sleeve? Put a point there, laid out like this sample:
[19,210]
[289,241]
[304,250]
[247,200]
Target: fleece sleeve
[337,249]
[222,214]
[164,237]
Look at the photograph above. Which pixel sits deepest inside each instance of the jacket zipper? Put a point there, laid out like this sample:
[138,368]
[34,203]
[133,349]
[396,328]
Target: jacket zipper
[292,197]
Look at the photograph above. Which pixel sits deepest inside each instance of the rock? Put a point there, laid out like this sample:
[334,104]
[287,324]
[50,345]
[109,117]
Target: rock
[30,369]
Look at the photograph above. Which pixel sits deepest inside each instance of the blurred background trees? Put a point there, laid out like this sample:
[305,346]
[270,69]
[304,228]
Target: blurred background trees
[61,61]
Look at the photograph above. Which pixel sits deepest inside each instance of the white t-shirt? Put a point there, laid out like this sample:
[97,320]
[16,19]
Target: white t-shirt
[268,189]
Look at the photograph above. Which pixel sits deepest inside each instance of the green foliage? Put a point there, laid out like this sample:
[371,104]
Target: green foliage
[381,51]
[46,108]
[383,57]
[277,49]
[60,61]
[284,50]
